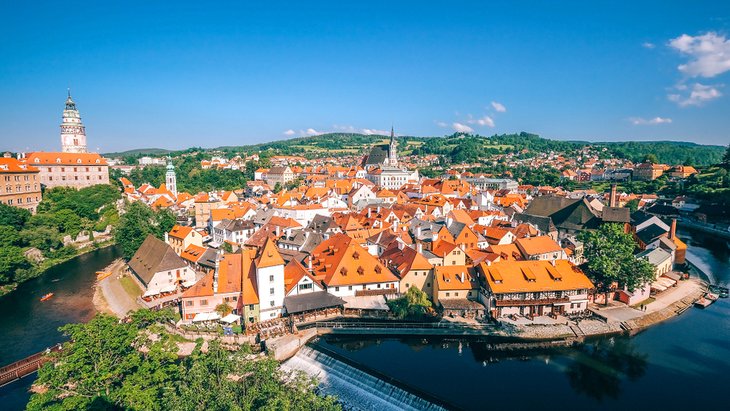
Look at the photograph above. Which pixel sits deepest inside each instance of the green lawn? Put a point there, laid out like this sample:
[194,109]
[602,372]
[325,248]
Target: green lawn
[130,287]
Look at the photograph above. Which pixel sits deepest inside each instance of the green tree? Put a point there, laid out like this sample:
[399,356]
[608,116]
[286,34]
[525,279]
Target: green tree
[414,303]
[11,260]
[650,158]
[277,188]
[610,259]
[633,205]
[13,216]
[9,236]
[726,158]
[137,223]
[42,238]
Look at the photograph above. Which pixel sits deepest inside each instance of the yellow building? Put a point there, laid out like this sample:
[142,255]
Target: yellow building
[19,184]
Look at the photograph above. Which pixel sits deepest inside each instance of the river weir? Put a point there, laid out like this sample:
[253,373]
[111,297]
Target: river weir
[356,390]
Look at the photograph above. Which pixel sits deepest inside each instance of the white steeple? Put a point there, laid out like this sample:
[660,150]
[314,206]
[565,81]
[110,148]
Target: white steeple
[392,154]
[170,178]
[73,133]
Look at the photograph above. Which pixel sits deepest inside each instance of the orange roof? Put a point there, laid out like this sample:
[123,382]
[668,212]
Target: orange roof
[269,255]
[293,272]
[455,277]
[534,276]
[537,245]
[249,288]
[341,261]
[179,231]
[405,259]
[442,247]
[507,251]
[52,158]
[193,253]
[12,165]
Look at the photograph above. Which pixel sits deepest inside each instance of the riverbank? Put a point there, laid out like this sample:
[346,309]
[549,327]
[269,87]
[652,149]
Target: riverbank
[610,320]
[49,263]
[111,296]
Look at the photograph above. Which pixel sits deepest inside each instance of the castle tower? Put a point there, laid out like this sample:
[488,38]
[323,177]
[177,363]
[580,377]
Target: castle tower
[170,178]
[73,133]
[392,153]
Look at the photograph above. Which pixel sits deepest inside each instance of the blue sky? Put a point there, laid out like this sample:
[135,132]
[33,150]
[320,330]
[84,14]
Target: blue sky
[207,74]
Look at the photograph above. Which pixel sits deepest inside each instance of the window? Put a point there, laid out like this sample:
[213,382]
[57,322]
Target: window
[349,287]
[448,294]
[271,278]
[337,288]
[189,303]
[250,307]
[271,302]
[203,303]
[271,291]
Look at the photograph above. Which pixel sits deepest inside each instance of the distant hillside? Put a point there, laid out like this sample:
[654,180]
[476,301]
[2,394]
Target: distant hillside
[138,152]
[669,152]
[461,147]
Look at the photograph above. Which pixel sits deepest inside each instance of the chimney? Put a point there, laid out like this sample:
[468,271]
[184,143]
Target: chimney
[309,263]
[552,262]
[418,232]
[461,277]
[167,238]
[369,210]
[378,209]
[673,229]
[278,230]
[613,199]
[419,248]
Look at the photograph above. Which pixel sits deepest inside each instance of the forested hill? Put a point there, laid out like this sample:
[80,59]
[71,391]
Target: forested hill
[460,147]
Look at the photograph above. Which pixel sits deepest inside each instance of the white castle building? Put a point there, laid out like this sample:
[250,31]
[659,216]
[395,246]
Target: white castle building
[73,133]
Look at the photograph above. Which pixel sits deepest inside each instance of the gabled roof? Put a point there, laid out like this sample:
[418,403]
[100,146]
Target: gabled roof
[537,245]
[179,231]
[533,276]
[154,256]
[341,261]
[293,273]
[456,277]
[269,255]
[405,259]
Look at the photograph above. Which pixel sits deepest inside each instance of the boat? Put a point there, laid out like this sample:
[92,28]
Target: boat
[100,275]
[47,297]
[721,292]
[703,303]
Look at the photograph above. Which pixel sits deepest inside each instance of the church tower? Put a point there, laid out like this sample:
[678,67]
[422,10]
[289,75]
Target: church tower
[392,153]
[73,133]
[170,178]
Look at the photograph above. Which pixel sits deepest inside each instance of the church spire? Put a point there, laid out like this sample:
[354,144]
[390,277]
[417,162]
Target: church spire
[392,153]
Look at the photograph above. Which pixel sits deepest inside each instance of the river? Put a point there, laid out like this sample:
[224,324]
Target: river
[684,362]
[680,364]
[28,326]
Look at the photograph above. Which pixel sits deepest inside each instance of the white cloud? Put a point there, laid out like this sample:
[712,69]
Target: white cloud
[698,94]
[638,121]
[371,131]
[484,121]
[441,124]
[709,54]
[289,132]
[311,132]
[462,128]
[648,45]
[499,107]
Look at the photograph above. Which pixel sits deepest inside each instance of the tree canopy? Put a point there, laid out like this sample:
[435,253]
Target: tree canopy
[133,365]
[610,254]
[137,223]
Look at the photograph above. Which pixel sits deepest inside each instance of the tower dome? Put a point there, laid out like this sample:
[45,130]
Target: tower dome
[73,132]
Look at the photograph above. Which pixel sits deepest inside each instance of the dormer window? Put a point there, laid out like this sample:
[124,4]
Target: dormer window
[37,160]
[58,160]
[78,161]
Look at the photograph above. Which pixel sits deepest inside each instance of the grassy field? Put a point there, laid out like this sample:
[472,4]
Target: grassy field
[130,287]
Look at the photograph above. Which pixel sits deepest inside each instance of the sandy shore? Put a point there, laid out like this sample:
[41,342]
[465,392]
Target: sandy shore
[109,295]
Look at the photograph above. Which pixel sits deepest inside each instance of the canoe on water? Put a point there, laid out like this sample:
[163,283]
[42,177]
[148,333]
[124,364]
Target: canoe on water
[47,297]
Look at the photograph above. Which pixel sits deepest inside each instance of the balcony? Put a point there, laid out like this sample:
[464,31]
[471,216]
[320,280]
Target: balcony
[540,301]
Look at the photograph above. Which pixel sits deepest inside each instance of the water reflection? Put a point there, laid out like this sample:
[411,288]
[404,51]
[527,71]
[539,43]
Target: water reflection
[598,368]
